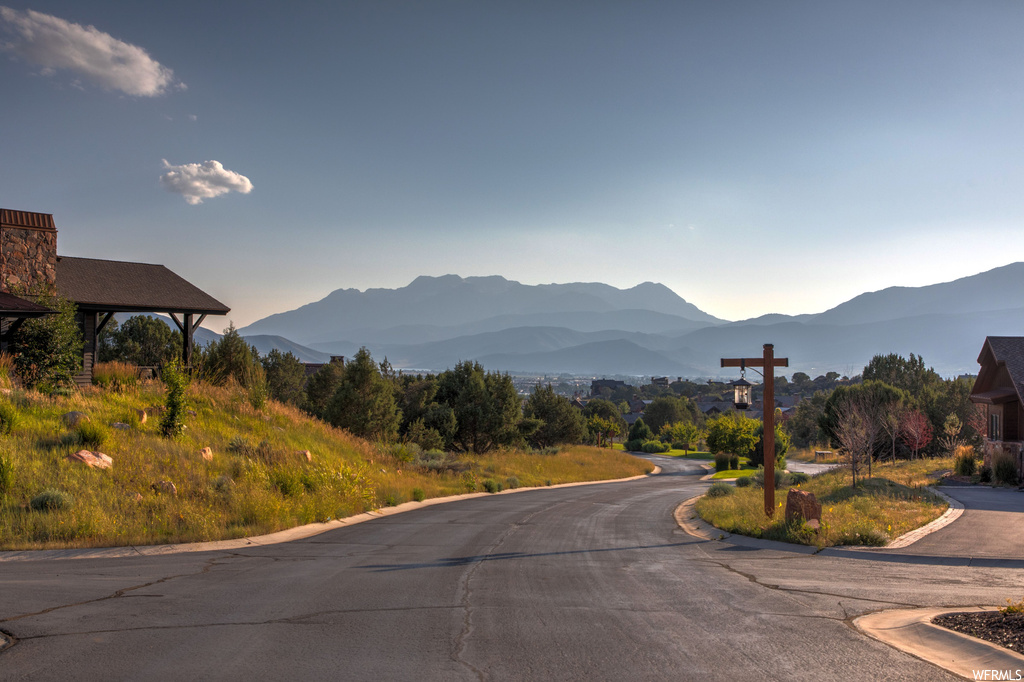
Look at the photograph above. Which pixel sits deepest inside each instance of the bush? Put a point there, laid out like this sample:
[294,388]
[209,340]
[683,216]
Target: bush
[799,477]
[634,445]
[513,482]
[966,463]
[734,462]
[9,418]
[985,474]
[173,421]
[418,495]
[90,434]
[48,351]
[655,446]
[782,479]
[722,461]
[720,489]
[1004,469]
[491,486]
[52,500]
[744,482]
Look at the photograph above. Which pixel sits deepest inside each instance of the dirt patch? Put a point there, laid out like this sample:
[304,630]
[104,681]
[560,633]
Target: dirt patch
[1006,630]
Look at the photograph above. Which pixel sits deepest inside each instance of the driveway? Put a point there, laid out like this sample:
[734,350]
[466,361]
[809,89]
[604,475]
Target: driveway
[992,526]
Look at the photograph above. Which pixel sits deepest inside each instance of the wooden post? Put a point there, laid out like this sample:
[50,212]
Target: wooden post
[187,344]
[769,362]
[769,429]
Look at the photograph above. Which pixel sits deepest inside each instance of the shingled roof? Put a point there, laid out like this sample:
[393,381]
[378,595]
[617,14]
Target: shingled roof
[12,306]
[119,286]
[1000,352]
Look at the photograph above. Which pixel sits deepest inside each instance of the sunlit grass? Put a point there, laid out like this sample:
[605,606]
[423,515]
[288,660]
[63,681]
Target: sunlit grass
[258,482]
[878,510]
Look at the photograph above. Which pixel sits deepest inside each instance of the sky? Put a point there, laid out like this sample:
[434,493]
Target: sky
[754,157]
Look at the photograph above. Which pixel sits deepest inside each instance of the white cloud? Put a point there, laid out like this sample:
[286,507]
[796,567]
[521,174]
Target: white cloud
[53,44]
[206,180]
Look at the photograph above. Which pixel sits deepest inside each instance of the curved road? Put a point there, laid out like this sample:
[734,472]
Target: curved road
[580,583]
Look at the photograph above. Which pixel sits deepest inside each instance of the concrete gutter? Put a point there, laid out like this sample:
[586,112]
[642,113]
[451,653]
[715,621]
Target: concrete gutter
[911,631]
[288,535]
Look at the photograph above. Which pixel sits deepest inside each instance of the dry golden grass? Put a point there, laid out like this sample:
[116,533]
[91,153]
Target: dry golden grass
[256,483]
[878,510]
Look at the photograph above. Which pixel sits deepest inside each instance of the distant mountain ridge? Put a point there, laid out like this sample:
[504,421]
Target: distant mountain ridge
[588,328]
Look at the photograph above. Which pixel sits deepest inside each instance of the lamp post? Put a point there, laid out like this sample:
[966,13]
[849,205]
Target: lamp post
[768,362]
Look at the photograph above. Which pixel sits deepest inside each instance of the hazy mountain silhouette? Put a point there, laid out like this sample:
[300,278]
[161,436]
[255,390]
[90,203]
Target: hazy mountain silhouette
[597,329]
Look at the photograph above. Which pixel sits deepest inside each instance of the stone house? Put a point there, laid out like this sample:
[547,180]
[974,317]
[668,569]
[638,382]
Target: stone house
[99,288]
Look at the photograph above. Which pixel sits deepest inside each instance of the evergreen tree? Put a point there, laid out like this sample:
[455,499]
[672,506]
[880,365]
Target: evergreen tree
[365,401]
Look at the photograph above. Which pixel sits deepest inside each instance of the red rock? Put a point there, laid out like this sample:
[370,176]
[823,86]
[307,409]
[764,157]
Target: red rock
[96,460]
[802,505]
[207,454]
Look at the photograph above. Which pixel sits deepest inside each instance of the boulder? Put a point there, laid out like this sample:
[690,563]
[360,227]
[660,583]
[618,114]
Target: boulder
[96,460]
[165,487]
[802,505]
[73,419]
[121,426]
[142,416]
[305,454]
[207,454]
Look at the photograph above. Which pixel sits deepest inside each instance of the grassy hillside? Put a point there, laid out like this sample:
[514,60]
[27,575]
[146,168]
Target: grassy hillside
[258,481]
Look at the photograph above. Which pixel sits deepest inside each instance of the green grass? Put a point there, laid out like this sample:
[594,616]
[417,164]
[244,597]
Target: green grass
[256,483]
[879,509]
[734,473]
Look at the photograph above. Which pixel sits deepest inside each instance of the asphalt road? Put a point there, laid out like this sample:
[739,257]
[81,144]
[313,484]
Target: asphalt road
[594,583]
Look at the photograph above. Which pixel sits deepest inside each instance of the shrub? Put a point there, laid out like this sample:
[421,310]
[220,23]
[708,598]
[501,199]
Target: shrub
[224,485]
[782,479]
[634,445]
[52,500]
[90,434]
[799,477]
[655,446]
[680,446]
[1012,607]
[6,475]
[9,418]
[491,486]
[48,350]
[115,376]
[1004,469]
[966,464]
[173,421]
[734,462]
[513,482]
[720,489]
[985,474]
[722,461]
[418,495]
[744,482]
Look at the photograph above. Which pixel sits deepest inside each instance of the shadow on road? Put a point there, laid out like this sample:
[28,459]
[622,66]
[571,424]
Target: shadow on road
[503,556]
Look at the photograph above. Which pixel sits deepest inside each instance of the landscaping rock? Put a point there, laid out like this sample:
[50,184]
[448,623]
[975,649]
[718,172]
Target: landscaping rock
[96,460]
[802,505]
[207,454]
[165,487]
[305,454]
[73,419]
[142,416]
[121,426]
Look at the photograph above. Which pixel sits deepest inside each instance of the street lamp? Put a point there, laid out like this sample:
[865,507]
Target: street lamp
[742,390]
[768,362]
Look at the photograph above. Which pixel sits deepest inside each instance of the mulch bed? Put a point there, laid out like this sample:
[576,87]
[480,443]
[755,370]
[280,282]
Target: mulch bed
[1006,630]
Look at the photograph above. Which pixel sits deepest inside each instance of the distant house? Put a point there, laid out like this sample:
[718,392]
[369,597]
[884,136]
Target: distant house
[661,382]
[611,384]
[99,288]
[1000,387]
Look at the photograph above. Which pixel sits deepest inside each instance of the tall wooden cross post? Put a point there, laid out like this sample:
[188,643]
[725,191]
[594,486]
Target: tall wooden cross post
[769,362]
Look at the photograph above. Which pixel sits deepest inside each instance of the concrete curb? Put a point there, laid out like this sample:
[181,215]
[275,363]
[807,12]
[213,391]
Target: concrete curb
[912,631]
[956,509]
[686,518]
[288,535]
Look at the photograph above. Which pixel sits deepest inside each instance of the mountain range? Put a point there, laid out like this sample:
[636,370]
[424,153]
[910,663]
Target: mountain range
[593,328]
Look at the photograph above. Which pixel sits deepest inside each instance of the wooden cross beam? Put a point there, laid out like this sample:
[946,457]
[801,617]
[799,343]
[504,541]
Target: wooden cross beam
[188,329]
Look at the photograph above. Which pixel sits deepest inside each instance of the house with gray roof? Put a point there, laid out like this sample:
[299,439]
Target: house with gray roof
[99,288]
[1000,387]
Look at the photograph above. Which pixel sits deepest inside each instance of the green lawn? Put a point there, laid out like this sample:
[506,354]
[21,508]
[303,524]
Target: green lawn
[735,473]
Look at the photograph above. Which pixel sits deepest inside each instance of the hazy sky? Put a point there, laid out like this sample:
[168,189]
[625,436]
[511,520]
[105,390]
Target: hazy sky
[272,152]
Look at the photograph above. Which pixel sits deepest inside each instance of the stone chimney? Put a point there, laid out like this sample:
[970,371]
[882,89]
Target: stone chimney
[28,251]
